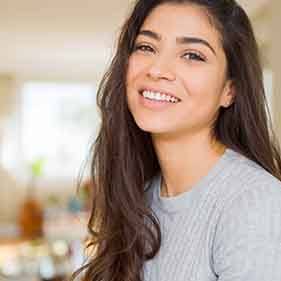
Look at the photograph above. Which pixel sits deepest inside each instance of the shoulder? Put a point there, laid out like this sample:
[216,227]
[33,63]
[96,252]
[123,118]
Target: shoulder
[247,179]
[250,201]
[256,202]
[249,225]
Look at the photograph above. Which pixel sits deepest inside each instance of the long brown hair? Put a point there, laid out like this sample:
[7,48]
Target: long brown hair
[124,231]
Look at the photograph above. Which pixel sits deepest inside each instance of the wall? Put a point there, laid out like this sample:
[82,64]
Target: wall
[8,183]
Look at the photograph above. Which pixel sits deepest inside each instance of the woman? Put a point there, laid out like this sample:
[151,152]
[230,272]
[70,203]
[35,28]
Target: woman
[186,164]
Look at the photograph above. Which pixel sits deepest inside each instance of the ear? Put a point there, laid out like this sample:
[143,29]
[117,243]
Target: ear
[228,94]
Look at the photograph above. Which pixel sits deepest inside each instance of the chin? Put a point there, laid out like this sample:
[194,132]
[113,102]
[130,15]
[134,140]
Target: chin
[152,126]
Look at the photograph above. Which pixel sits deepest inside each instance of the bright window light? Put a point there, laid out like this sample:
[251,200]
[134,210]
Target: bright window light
[59,122]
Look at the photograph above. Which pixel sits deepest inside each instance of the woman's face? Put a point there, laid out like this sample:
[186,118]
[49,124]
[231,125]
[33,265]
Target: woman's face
[176,78]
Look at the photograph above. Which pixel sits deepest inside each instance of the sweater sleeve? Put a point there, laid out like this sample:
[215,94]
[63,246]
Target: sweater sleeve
[247,242]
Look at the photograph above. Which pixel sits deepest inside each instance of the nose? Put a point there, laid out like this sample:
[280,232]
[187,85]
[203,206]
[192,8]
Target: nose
[161,68]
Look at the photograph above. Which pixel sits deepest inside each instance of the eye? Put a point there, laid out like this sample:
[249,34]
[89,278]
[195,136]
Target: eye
[143,48]
[193,56]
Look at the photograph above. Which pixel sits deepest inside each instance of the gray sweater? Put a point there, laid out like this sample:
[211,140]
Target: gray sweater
[226,228]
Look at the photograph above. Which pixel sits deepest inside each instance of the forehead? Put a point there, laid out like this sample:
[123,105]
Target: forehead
[176,20]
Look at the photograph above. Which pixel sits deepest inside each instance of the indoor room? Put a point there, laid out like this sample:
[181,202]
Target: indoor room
[53,55]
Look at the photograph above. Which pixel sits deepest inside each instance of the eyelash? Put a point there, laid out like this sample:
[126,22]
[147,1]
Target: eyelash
[140,47]
[197,56]
[146,48]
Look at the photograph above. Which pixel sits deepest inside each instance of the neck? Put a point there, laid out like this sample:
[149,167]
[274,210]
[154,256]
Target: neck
[184,161]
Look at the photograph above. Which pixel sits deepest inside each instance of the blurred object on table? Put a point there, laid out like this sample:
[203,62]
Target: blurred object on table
[38,260]
[31,216]
[31,219]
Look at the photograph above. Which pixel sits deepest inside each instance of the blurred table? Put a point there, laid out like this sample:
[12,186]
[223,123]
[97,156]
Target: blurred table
[58,254]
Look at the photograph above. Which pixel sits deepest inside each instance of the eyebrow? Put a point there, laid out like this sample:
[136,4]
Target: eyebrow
[180,40]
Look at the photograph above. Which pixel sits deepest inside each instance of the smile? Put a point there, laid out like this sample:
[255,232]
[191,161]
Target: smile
[157,96]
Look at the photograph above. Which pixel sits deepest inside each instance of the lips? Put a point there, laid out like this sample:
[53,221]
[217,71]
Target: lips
[158,91]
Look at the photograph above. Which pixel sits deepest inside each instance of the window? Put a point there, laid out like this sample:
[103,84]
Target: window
[58,123]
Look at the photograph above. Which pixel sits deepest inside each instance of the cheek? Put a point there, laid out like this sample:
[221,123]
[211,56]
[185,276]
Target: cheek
[133,75]
[135,68]
[202,85]
[202,88]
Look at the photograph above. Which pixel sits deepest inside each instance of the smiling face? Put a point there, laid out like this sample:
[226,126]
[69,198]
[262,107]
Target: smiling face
[176,78]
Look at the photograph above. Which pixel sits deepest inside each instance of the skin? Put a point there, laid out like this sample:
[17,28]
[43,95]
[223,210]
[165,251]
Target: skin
[180,132]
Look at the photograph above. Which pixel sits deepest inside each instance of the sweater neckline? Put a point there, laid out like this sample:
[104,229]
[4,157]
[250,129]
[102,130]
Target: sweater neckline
[184,199]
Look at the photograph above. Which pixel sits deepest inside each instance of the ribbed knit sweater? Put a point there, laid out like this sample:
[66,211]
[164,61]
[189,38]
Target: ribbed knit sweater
[226,228]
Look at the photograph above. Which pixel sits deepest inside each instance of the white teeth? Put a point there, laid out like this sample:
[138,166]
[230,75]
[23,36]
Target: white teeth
[158,96]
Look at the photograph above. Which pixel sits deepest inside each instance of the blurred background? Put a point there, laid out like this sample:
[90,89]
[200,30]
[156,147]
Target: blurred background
[52,57]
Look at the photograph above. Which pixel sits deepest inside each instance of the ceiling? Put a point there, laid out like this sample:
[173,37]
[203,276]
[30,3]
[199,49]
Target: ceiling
[65,39]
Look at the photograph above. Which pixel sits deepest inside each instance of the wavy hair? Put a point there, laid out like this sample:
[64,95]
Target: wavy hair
[124,232]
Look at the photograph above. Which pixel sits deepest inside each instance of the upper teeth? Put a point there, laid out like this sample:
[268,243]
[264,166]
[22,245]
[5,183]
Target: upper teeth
[159,96]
